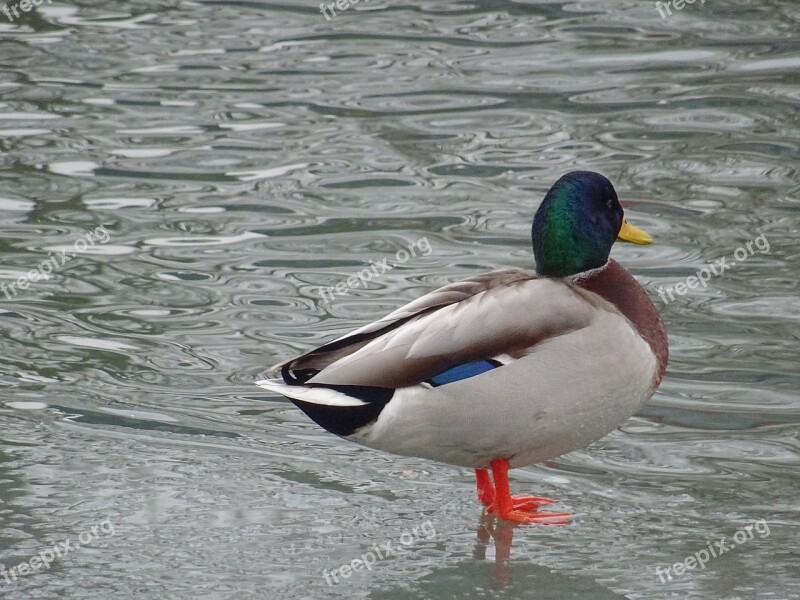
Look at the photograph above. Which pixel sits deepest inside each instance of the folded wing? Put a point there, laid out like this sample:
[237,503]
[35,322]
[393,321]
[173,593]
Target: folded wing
[502,313]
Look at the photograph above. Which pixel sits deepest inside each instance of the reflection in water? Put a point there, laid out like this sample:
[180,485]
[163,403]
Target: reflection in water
[502,532]
[491,529]
[503,578]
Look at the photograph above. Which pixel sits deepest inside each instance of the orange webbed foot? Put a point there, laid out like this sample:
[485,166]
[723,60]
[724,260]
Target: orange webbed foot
[522,508]
[541,518]
[524,503]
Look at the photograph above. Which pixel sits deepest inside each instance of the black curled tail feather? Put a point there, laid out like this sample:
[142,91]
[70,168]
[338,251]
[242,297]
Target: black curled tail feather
[346,420]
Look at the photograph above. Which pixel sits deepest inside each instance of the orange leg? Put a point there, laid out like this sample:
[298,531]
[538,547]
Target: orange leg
[485,487]
[518,509]
[486,494]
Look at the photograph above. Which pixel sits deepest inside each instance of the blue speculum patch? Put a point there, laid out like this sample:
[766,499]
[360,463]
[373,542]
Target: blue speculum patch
[465,371]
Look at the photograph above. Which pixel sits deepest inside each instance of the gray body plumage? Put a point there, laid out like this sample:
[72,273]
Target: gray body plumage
[573,367]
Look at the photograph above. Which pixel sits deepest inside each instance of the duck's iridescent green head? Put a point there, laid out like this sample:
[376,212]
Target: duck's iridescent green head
[577,223]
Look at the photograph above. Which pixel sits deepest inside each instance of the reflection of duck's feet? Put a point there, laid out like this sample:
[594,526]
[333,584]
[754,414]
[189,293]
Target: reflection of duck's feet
[502,532]
[522,508]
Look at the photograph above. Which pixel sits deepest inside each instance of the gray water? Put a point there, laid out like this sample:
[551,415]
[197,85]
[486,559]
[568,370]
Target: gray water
[213,164]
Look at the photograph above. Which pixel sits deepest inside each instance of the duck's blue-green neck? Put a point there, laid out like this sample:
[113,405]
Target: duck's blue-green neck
[576,225]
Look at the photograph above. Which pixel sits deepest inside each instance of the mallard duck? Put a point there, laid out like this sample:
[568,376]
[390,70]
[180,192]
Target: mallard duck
[504,369]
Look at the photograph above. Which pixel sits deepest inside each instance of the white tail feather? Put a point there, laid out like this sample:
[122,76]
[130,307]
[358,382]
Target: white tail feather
[317,395]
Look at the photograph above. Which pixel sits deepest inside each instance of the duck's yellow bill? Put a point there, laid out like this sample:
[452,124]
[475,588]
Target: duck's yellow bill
[631,233]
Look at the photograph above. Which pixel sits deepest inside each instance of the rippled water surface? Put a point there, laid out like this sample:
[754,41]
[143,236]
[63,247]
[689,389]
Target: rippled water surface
[239,155]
